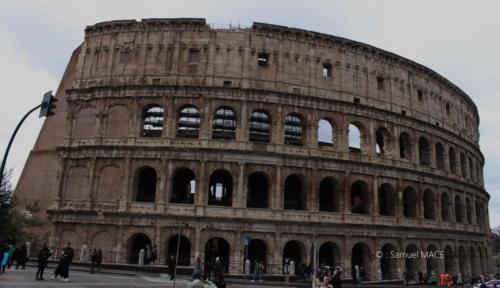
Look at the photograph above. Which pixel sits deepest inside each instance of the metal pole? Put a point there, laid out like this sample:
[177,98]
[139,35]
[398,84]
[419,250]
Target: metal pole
[4,161]
[314,266]
[177,253]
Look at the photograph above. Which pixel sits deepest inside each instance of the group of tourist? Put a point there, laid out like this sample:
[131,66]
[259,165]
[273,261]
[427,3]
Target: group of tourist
[10,253]
[212,277]
[326,277]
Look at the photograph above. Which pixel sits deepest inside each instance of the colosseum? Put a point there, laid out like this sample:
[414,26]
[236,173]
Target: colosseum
[292,137]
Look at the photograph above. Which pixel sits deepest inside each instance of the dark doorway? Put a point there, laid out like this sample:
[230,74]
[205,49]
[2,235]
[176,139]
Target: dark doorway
[388,263]
[294,194]
[184,250]
[257,251]
[135,244]
[257,190]
[145,185]
[216,248]
[328,195]
[328,254]
[183,187]
[293,251]
[361,257]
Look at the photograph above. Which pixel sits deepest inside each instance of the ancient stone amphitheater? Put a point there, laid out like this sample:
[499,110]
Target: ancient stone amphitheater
[289,136]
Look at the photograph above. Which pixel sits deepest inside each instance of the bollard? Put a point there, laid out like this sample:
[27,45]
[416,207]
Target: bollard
[248,265]
[141,257]
[292,268]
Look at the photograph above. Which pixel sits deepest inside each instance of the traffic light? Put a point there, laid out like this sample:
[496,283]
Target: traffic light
[48,105]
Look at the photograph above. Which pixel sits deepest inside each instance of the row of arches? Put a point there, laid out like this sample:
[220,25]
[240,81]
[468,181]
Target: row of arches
[295,195]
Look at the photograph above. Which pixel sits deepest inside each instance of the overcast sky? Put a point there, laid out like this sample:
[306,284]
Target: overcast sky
[458,39]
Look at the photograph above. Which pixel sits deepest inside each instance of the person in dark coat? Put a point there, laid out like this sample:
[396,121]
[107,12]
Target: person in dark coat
[99,259]
[336,280]
[43,257]
[219,274]
[93,261]
[66,259]
[171,267]
[22,257]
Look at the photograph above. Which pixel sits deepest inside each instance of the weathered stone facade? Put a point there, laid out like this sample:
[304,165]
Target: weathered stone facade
[168,120]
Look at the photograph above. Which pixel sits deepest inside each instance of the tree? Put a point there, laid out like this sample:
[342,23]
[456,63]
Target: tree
[14,222]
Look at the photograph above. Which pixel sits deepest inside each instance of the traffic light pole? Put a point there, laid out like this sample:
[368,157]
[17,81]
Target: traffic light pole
[12,140]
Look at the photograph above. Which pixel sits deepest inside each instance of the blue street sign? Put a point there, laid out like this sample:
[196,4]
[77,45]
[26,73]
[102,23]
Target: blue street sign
[246,239]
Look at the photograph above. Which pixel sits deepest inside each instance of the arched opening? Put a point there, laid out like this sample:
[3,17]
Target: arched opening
[258,187]
[383,142]
[184,250]
[462,258]
[257,251]
[188,122]
[328,254]
[449,260]
[405,146]
[410,202]
[360,200]
[411,263]
[458,209]
[293,129]
[452,156]
[388,264]
[431,262]
[463,165]
[445,207]
[153,121]
[294,193]
[183,186]
[424,151]
[328,195]
[224,124]
[473,262]
[481,260]
[216,248]
[360,257]
[468,206]
[439,156]
[429,209]
[293,251]
[479,214]
[135,244]
[387,200]
[260,126]
[145,185]
[325,133]
[354,137]
[220,192]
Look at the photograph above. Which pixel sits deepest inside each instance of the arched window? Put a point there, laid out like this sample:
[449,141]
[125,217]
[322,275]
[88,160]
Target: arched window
[383,142]
[453,160]
[388,265]
[468,205]
[458,209]
[360,199]
[410,202]
[293,251]
[135,244]
[471,170]
[153,121]
[463,165]
[424,151]
[188,123]
[183,186]
[257,190]
[260,127]
[220,188]
[145,185]
[224,124]
[325,133]
[354,137]
[328,195]
[293,130]
[387,200]
[405,146]
[445,207]
[217,248]
[429,210]
[361,257]
[294,193]
[439,156]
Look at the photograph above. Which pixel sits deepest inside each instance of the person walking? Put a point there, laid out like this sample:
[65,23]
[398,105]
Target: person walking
[93,261]
[99,259]
[43,257]
[4,256]
[336,280]
[171,267]
[258,271]
[65,262]
[22,257]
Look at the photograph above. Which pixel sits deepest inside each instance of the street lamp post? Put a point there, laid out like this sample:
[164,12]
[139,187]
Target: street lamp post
[179,225]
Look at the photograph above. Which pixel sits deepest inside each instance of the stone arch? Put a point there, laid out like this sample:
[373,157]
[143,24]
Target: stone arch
[405,146]
[188,122]
[152,121]
[224,123]
[388,264]
[329,254]
[424,151]
[445,207]
[439,149]
[361,257]
[473,261]
[259,126]
[135,243]
[411,264]
[384,142]
[109,186]
[452,156]
[360,197]
[117,121]
[220,190]
[462,260]
[85,123]
[325,133]
[468,205]
[356,137]
[387,200]
[184,250]
[295,251]
[431,261]
[76,184]
[106,242]
[70,236]
[258,190]
[257,251]
[449,259]
[429,205]
[217,247]
[295,193]
[463,165]
[329,200]
[145,184]
[294,129]
[183,186]
[458,209]
[410,202]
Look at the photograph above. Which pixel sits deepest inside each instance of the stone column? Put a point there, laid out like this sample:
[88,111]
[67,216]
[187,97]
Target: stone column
[375,205]
[61,179]
[347,193]
[242,128]
[202,187]
[127,179]
[162,198]
[239,200]
[277,197]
